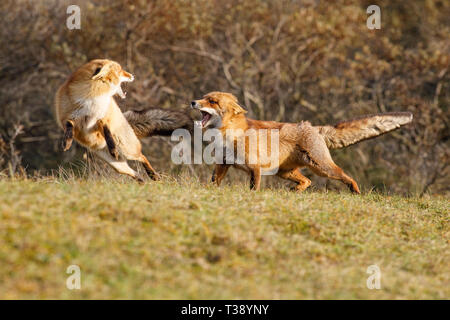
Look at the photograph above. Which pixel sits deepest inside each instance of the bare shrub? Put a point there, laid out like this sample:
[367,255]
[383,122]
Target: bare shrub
[285,60]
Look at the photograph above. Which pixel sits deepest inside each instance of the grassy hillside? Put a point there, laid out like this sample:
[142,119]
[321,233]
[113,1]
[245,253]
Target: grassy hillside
[170,240]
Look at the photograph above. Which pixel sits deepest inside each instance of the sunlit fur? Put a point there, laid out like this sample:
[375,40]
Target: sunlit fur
[300,144]
[86,100]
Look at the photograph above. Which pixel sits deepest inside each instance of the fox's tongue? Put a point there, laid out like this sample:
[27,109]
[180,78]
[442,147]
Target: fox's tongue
[205,119]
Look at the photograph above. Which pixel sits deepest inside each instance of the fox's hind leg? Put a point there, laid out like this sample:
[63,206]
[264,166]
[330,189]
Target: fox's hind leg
[296,176]
[68,135]
[133,152]
[338,174]
[313,152]
[148,168]
[327,168]
[121,166]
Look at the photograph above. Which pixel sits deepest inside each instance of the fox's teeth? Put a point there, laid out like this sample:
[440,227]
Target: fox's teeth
[120,92]
[205,118]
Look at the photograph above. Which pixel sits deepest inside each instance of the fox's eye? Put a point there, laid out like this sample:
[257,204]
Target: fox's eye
[212,101]
[97,71]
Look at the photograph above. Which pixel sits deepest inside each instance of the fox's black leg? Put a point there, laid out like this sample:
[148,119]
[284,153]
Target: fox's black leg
[110,142]
[219,173]
[255,179]
[149,169]
[68,136]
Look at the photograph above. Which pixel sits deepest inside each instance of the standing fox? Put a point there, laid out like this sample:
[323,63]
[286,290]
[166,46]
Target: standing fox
[299,144]
[87,112]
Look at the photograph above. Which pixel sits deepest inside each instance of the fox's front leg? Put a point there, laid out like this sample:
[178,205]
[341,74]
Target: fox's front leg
[109,139]
[68,135]
[255,178]
[219,173]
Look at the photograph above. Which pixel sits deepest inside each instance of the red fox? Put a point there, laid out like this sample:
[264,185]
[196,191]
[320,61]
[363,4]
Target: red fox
[86,110]
[299,144]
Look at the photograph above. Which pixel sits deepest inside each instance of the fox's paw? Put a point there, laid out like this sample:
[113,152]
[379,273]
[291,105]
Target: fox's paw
[66,144]
[354,188]
[152,174]
[68,135]
[155,177]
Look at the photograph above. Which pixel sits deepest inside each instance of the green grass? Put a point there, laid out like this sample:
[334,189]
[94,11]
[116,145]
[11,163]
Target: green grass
[187,240]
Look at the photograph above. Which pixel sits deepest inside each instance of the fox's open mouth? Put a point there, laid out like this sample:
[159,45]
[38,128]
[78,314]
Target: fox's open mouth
[205,117]
[120,92]
[122,80]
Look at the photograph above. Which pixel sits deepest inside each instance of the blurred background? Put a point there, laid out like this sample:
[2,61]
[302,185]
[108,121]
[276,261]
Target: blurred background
[285,60]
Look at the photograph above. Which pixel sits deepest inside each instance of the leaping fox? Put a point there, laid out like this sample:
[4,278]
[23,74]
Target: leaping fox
[85,108]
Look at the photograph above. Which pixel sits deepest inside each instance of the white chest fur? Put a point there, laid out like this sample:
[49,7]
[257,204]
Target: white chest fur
[92,109]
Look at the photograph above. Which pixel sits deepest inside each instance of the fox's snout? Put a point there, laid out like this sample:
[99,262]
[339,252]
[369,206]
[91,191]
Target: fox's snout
[200,104]
[126,76]
[194,105]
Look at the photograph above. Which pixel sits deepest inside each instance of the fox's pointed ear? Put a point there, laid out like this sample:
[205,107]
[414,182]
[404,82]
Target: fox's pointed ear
[100,72]
[237,108]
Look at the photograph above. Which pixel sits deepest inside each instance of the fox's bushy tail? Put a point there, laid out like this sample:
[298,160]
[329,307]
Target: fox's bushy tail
[157,121]
[349,132]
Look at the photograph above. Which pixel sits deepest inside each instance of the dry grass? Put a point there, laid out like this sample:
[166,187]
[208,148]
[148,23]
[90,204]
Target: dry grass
[188,240]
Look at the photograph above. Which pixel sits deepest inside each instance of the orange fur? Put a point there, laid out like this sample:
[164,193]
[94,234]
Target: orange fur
[300,144]
[86,102]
